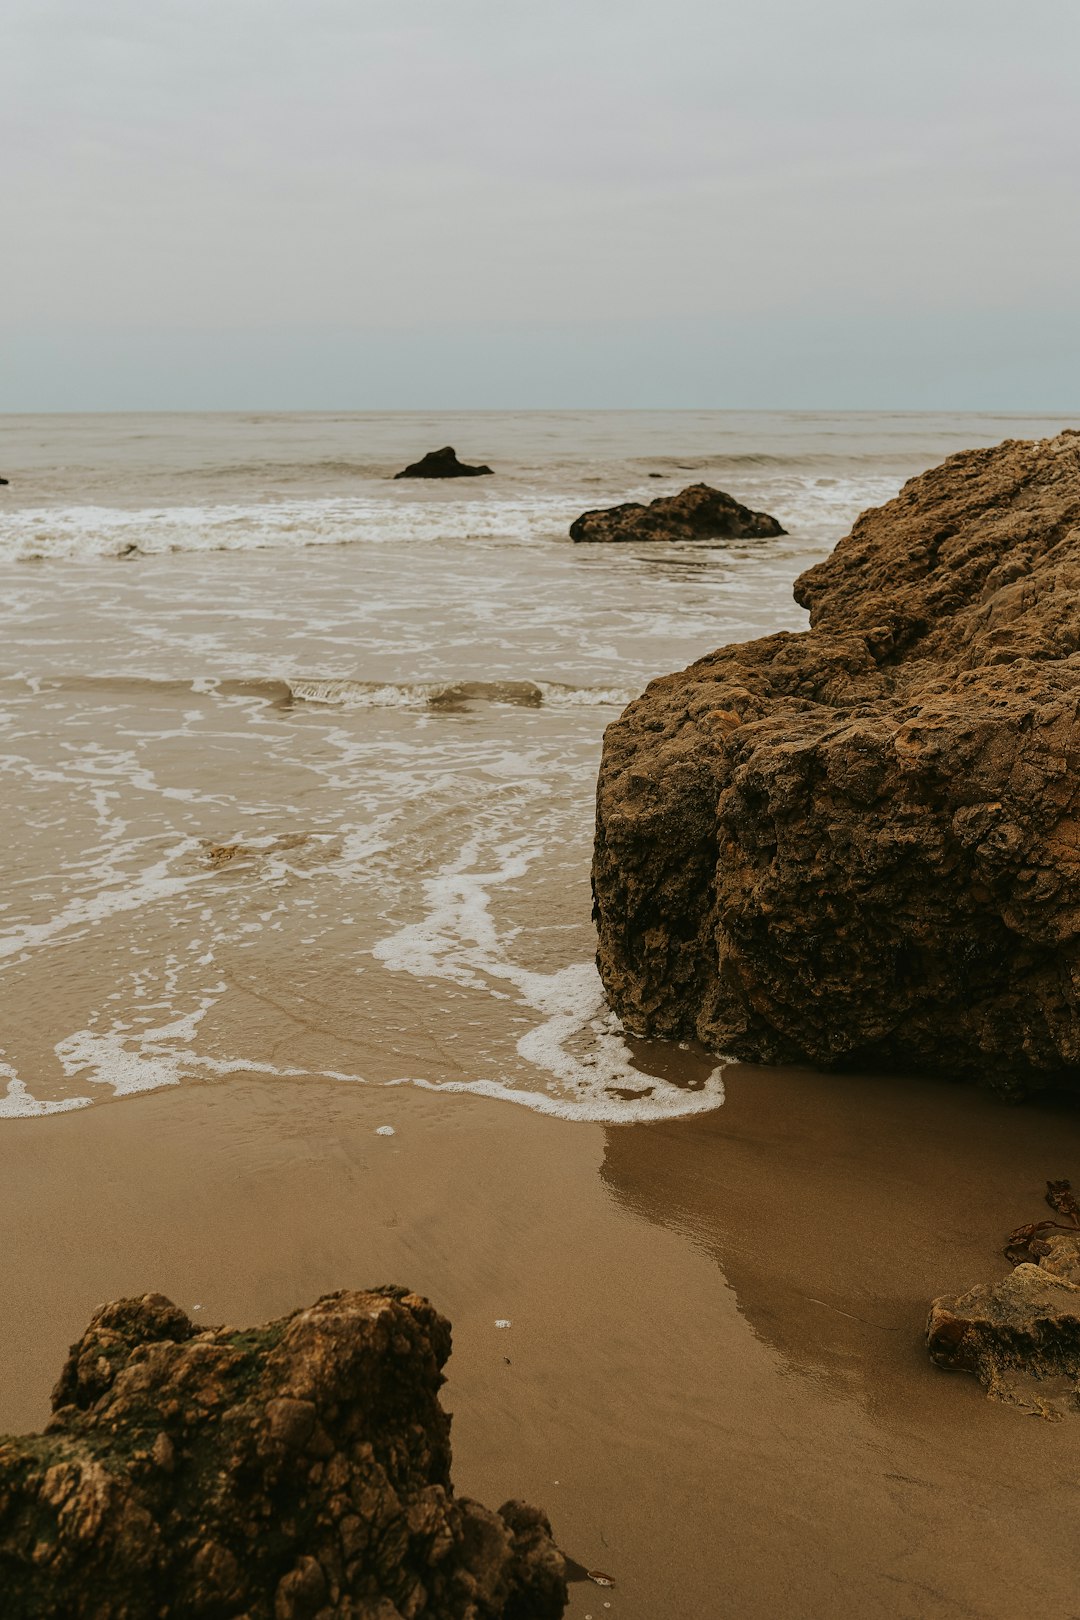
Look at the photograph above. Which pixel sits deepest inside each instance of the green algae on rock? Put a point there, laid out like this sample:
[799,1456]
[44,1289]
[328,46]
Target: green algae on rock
[296,1471]
[860,845]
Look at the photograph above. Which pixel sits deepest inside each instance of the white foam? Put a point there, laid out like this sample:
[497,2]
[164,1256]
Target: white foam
[17,1102]
[803,501]
[587,1088]
[664,1101]
[579,1042]
[89,532]
[130,1062]
[558,696]
[348,694]
[158,882]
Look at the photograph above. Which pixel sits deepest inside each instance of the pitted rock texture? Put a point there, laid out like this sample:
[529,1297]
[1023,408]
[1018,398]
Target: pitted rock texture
[296,1471]
[442,464]
[697,513]
[860,845]
[1021,1336]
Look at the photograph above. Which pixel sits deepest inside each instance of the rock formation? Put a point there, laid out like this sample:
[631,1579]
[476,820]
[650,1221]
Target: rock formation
[696,513]
[860,845]
[300,1469]
[441,464]
[1021,1336]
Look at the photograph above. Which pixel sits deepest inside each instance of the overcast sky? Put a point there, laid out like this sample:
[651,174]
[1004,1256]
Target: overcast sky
[438,203]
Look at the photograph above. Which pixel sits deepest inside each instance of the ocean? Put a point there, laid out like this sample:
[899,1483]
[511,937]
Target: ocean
[298,761]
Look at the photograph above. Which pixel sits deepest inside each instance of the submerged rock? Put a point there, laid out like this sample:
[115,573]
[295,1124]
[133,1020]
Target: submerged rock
[1021,1336]
[696,513]
[300,1469]
[442,464]
[860,845]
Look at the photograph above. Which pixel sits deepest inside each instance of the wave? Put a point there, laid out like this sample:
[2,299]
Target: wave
[284,692]
[772,460]
[91,533]
[298,471]
[574,1062]
[454,695]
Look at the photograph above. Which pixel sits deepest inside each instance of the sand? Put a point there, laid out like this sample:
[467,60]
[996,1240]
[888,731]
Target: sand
[713,1376]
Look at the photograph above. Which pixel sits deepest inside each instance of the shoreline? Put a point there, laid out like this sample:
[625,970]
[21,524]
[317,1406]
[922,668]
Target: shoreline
[716,1322]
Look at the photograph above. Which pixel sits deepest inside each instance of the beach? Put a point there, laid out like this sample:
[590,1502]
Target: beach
[713,1376]
[299,995]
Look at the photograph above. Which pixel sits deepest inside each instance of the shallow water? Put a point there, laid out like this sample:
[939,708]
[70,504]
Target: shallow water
[299,759]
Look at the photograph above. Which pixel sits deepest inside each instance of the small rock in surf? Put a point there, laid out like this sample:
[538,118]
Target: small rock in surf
[441,464]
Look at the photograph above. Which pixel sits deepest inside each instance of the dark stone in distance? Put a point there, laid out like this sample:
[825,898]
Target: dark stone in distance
[442,464]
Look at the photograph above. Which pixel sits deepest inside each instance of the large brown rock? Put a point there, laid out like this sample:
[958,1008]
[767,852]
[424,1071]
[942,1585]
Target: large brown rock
[860,845]
[296,1471]
[696,513]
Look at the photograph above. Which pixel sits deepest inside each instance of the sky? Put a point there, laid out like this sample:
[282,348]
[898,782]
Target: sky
[430,204]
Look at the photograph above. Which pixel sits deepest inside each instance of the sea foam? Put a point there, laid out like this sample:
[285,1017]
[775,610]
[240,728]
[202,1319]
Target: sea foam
[91,532]
[583,1065]
[579,1043]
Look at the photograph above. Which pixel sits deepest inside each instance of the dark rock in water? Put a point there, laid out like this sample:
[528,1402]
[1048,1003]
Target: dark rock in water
[1021,1336]
[696,513]
[442,464]
[4,480]
[300,1469]
[860,845]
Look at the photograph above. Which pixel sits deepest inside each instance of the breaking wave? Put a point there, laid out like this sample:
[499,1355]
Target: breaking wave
[88,533]
[453,695]
[343,693]
[91,533]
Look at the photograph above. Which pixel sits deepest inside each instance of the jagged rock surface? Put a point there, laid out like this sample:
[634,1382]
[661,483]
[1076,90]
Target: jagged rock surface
[296,1471]
[696,513]
[1021,1336]
[860,845]
[442,464]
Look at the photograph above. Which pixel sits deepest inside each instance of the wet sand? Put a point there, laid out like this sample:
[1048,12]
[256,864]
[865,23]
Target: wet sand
[714,1379]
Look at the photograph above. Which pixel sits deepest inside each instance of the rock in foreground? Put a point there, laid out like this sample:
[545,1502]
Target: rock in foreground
[860,845]
[697,513]
[442,464]
[1020,1337]
[300,1469]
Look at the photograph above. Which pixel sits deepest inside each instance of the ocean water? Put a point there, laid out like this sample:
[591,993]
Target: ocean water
[298,762]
